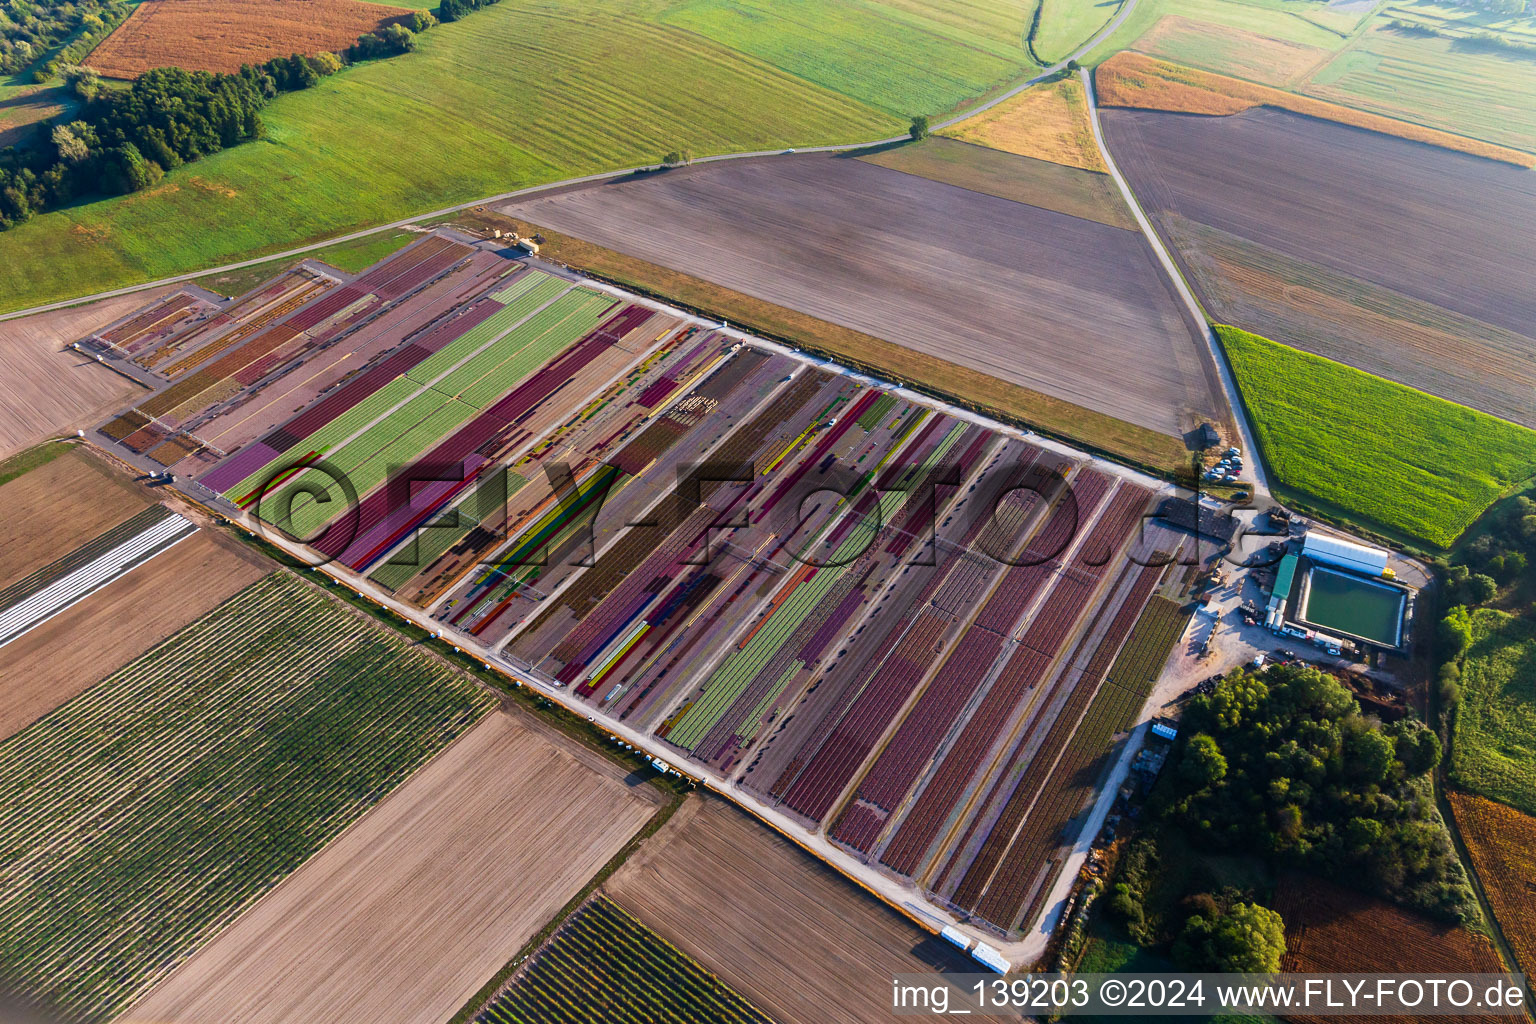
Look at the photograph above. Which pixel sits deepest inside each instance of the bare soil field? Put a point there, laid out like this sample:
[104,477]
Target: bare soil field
[1057,304]
[1333,930]
[221,35]
[45,389]
[1404,260]
[67,654]
[55,508]
[408,913]
[774,923]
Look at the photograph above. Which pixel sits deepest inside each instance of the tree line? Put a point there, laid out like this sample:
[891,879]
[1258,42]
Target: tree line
[124,140]
[1282,766]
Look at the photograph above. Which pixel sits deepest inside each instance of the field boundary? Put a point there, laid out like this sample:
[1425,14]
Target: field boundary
[1136,80]
[1114,23]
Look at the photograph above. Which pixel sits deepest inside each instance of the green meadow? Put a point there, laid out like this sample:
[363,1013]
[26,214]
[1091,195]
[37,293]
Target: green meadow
[1067,24]
[523,92]
[1457,85]
[901,61]
[1380,453]
[1495,749]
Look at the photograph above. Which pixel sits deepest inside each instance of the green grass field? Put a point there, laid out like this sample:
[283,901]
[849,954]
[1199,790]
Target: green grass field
[1495,739]
[351,256]
[1305,22]
[848,46]
[1067,24]
[1371,449]
[139,818]
[1454,85]
[521,92]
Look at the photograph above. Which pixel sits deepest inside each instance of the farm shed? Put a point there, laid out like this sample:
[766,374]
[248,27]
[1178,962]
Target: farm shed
[1347,554]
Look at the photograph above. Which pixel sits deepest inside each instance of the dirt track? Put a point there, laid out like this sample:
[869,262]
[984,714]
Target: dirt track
[1405,260]
[1054,303]
[405,916]
[86,642]
[781,928]
[45,389]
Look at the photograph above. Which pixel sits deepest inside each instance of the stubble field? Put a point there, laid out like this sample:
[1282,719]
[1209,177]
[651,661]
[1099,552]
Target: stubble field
[221,35]
[1053,303]
[406,915]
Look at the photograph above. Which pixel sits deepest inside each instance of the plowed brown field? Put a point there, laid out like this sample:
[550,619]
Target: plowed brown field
[1502,842]
[221,35]
[88,641]
[774,923]
[47,390]
[53,509]
[1333,930]
[406,915]
[1404,260]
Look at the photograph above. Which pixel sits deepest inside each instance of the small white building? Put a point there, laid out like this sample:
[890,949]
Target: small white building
[1346,554]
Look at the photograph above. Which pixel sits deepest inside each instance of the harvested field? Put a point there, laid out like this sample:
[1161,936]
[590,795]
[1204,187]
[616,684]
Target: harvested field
[1023,179]
[88,641]
[1046,122]
[1052,303]
[406,915]
[781,928]
[1333,930]
[53,509]
[1404,260]
[1502,843]
[47,390]
[1136,80]
[221,35]
[257,733]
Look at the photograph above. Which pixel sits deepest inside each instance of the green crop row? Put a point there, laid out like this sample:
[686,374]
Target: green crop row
[139,818]
[605,967]
[1371,449]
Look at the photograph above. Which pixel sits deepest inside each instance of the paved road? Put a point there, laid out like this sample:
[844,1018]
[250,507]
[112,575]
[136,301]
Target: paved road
[1260,482]
[588,179]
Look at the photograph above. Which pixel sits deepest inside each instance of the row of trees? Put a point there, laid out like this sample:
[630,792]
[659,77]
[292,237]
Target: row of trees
[1283,765]
[125,140]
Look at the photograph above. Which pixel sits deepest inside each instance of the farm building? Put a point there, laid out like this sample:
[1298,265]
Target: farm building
[1346,554]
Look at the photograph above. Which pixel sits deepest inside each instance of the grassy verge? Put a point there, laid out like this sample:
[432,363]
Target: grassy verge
[1375,451]
[1093,431]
